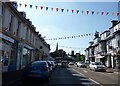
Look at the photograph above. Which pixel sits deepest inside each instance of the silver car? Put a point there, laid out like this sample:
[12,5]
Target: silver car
[97,66]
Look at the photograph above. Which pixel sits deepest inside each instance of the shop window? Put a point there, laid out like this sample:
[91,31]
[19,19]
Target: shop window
[12,56]
[5,58]
[26,56]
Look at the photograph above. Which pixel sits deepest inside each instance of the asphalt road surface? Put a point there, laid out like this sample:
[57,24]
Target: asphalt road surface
[62,77]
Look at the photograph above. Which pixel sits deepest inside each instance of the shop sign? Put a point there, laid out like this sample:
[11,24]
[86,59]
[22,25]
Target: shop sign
[6,38]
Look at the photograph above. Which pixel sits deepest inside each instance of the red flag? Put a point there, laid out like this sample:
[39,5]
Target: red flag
[25,5]
[67,10]
[72,11]
[57,9]
[102,13]
[87,12]
[118,13]
[52,9]
[41,7]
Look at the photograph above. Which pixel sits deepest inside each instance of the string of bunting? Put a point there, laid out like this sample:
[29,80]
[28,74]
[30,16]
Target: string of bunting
[69,10]
[67,47]
[70,37]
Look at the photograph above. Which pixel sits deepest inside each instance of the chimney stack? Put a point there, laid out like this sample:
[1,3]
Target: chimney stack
[114,22]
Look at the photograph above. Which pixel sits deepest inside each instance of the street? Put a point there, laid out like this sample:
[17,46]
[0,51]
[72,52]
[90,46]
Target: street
[75,76]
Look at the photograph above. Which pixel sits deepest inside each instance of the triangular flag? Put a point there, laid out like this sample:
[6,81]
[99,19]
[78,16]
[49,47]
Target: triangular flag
[102,13]
[82,12]
[87,12]
[97,13]
[41,7]
[36,7]
[46,8]
[112,13]
[118,13]
[107,13]
[72,11]
[67,10]
[30,6]
[62,10]
[52,9]
[77,11]
[20,4]
[92,12]
[57,9]
[25,5]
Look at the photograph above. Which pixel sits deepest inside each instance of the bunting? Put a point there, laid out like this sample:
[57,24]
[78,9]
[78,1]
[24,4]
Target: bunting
[78,36]
[68,47]
[73,11]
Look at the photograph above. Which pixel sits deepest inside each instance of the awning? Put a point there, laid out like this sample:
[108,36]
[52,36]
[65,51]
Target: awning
[27,46]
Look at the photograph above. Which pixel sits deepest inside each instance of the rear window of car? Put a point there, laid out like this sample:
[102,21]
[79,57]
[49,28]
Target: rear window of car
[38,63]
[98,63]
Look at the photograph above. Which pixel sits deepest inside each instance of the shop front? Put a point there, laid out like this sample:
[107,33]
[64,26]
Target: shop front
[9,51]
[26,55]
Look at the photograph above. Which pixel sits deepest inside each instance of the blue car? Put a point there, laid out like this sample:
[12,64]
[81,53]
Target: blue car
[37,70]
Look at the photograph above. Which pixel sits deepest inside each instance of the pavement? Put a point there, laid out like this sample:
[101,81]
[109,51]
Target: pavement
[8,78]
[111,70]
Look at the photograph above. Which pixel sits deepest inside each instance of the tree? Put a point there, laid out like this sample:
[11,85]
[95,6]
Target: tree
[80,57]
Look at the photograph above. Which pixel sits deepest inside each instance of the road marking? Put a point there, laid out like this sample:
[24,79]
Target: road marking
[95,82]
[85,71]
[78,72]
[89,78]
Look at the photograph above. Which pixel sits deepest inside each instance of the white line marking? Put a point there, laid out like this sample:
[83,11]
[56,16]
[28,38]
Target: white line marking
[76,74]
[86,83]
[79,72]
[89,78]
[84,79]
[85,71]
[95,82]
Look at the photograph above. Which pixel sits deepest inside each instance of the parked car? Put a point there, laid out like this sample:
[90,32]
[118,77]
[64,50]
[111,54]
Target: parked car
[97,66]
[81,64]
[53,65]
[71,63]
[50,66]
[36,70]
[64,64]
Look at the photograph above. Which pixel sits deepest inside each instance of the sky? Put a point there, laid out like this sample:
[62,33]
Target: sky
[53,24]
